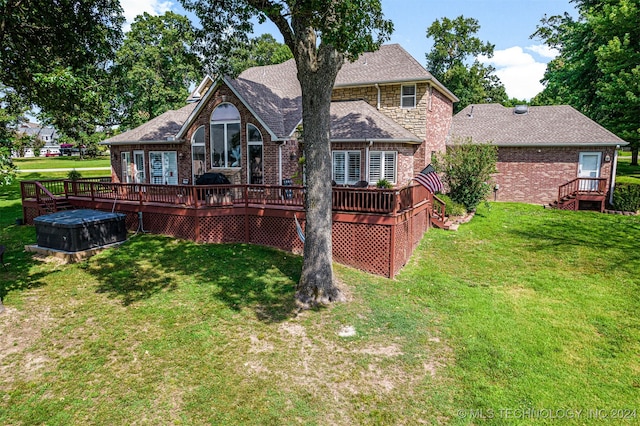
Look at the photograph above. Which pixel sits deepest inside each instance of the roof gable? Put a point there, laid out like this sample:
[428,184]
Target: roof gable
[557,125]
[162,128]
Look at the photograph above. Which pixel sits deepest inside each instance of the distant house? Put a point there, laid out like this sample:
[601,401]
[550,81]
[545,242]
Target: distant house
[48,135]
[388,115]
[546,154]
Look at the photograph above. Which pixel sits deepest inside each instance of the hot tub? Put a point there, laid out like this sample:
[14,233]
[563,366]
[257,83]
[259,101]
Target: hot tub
[78,230]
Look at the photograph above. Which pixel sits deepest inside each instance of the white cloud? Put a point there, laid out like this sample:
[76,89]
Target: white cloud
[133,8]
[544,51]
[519,71]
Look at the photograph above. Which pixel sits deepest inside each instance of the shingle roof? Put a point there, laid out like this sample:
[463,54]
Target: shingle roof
[391,63]
[273,94]
[357,120]
[162,128]
[558,125]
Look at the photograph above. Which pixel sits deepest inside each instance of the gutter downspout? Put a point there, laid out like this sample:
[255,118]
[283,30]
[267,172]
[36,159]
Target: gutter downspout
[279,164]
[378,88]
[613,174]
[366,159]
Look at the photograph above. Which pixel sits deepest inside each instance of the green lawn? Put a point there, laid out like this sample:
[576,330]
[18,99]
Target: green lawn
[38,163]
[522,309]
[626,172]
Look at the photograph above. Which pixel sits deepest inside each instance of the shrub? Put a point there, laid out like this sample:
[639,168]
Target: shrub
[452,208]
[384,184]
[74,175]
[626,197]
[467,169]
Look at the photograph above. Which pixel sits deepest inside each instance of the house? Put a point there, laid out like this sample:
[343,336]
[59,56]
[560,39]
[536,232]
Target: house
[546,154]
[48,135]
[388,116]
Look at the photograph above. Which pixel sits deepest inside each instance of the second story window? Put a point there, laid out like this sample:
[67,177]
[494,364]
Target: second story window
[225,136]
[408,97]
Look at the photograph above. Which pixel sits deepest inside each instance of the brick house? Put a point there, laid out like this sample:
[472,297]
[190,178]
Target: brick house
[388,115]
[546,154]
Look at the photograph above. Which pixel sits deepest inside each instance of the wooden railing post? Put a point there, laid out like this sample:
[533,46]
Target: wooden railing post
[247,231]
[396,201]
[194,197]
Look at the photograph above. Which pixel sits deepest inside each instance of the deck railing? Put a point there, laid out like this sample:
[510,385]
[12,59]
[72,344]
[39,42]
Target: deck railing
[582,186]
[54,186]
[45,198]
[364,200]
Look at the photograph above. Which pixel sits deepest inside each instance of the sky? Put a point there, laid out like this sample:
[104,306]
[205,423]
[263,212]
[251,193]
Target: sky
[520,61]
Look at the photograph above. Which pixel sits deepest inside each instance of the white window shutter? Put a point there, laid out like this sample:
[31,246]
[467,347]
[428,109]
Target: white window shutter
[390,166]
[354,167]
[375,167]
[338,167]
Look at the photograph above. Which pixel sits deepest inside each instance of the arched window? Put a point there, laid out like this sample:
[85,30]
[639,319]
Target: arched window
[225,136]
[197,153]
[254,147]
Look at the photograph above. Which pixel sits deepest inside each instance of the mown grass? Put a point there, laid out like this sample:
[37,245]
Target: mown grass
[521,308]
[37,163]
[625,171]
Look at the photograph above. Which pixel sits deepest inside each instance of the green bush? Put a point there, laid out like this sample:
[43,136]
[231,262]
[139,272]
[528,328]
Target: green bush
[384,184]
[467,168]
[452,208]
[626,197]
[74,175]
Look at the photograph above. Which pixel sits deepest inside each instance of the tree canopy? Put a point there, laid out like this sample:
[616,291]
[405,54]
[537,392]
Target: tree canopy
[320,35]
[453,61]
[155,67]
[55,54]
[261,50]
[598,69]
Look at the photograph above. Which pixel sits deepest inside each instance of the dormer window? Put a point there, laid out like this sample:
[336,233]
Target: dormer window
[408,97]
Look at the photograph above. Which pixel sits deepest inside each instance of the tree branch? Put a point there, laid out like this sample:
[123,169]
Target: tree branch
[273,12]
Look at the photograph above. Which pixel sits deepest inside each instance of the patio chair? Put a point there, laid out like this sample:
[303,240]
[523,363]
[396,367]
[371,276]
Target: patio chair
[2,250]
[287,193]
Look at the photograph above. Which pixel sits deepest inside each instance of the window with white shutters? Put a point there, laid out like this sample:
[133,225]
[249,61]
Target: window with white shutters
[346,167]
[382,165]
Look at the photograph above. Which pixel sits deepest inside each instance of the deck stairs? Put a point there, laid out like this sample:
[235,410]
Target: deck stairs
[577,193]
[439,219]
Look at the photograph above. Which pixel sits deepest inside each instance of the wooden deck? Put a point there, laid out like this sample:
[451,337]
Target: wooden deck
[580,191]
[374,230]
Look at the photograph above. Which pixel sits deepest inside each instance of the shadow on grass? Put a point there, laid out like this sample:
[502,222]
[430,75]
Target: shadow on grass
[239,276]
[17,274]
[615,237]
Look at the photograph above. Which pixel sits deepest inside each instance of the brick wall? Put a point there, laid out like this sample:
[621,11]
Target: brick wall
[235,175]
[533,175]
[404,158]
[412,119]
[430,120]
[269,148]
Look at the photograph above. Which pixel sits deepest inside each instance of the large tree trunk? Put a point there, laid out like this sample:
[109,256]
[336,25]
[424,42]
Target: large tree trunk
[317,78]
